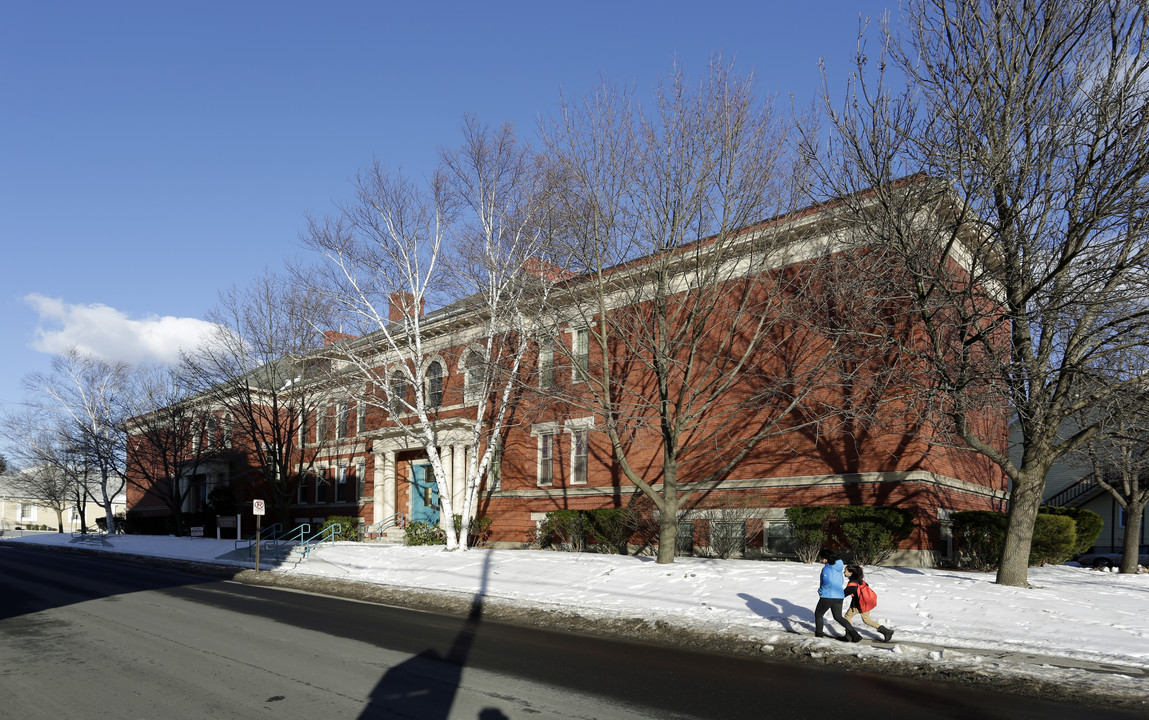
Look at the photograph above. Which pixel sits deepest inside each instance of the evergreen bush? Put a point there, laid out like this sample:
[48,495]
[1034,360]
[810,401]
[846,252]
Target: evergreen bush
[980,537]
[1088,525]
[480,530]
[808,529]
[421,533]
[873,533]
[563,530]
[349,527]
[1054,537]
[612,527]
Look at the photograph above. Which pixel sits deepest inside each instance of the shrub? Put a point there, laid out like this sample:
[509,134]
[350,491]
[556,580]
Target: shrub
[612,527]
[808,529]
[480,530]
[1054,537]
[563,530]
[1087,525]
[980,537]
[873,533]
[421,533]
[349,527]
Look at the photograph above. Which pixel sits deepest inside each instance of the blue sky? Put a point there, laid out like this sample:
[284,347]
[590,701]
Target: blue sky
[154,153]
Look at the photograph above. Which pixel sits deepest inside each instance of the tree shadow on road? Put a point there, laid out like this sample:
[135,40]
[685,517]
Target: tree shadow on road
[425,686]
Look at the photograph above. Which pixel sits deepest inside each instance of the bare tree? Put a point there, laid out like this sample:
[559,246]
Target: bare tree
[464,243]
[259,369]
[169,438]
[1119,459]
[82,406]
[681,301]
[1022,242]
[48,485]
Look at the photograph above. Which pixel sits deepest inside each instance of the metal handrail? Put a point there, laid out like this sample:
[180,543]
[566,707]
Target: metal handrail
[265,534]
[327,533]
[1074,491]
[397,520]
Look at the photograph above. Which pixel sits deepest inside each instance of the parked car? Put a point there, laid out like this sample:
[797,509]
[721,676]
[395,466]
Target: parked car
[1107,560]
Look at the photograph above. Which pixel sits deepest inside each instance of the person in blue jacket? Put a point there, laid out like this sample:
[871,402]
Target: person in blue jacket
[831,593]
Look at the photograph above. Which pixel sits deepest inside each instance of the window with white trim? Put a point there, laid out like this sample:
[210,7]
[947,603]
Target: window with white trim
[546,363]
[398,386]
[342,416]
[26,512]
[495,468]
[341,484]
[435,385]
[578,456]
[361,416]
[475,375]
[305,482]
[321,484]
[546,474]
[321,424]
[581,349]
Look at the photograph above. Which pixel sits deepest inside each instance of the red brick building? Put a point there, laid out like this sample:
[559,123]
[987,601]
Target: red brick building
[554,454]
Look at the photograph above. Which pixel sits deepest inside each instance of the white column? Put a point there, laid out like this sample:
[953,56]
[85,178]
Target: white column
[377,490]
[460,452]
[390,485]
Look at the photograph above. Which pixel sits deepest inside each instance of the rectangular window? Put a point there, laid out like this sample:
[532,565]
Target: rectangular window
[26,511]
[581,352]
[776,538]
[546,363]
[341,484]
[578,457]
[546,459]
[341,427]
[321,487]
[398,393]
[360,416]
[320,424]
[495,469]
[360,481]
[301,491]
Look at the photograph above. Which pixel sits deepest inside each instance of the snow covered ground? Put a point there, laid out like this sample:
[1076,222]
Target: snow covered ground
[1075,625]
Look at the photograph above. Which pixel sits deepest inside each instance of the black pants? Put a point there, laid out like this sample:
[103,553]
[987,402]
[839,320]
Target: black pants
[834,605]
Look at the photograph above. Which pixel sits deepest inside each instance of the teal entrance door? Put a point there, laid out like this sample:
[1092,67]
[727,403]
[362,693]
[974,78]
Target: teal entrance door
[424,495]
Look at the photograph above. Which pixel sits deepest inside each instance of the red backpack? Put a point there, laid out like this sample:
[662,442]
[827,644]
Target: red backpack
[865,597]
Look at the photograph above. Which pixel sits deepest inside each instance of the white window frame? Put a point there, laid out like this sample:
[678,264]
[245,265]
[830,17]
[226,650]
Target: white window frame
[361,415]
[545,433]
[26,512]
[576,427]
[546,362]
[473,387]
[428,394]
[580,353]
[341,481]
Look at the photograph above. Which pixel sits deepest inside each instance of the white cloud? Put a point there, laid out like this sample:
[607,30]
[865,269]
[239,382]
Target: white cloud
[110,334]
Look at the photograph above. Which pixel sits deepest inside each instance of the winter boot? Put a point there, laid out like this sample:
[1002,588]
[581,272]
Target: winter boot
[855,636]
[886,633]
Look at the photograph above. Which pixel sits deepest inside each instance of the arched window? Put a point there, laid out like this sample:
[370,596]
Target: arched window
[398,391]
[434,384]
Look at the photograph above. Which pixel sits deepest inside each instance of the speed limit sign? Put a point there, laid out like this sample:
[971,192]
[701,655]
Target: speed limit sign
[257,507]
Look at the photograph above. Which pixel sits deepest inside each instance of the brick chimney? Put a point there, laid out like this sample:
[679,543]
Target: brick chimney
[403,306]
[334,336]
[546,270]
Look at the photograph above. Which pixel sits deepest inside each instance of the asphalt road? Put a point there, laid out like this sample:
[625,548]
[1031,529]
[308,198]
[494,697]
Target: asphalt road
[86,637]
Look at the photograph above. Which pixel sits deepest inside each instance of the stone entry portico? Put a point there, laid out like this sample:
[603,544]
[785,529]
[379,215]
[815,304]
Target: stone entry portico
[388,444]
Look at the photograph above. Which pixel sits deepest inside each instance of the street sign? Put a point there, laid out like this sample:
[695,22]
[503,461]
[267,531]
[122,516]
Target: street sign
[257,507]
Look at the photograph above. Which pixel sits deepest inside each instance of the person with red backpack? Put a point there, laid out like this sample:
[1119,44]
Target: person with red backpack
[864,599]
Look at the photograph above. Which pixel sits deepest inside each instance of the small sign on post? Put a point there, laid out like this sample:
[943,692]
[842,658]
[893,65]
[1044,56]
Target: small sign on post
[257,509]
